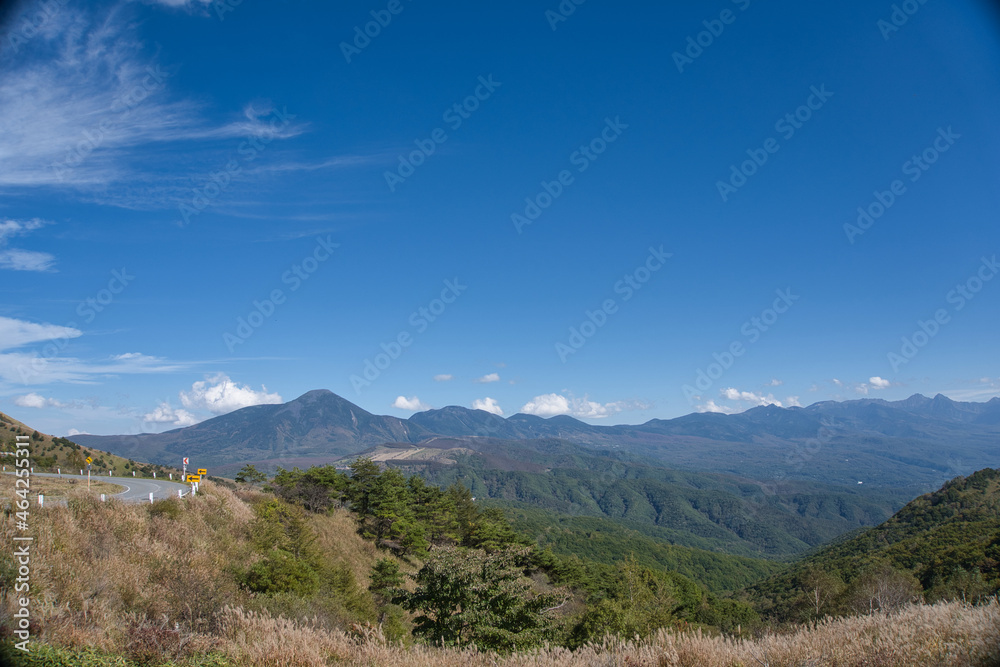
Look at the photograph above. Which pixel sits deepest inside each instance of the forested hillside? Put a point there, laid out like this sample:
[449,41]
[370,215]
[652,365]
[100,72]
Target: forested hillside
[942,545]
[709,511]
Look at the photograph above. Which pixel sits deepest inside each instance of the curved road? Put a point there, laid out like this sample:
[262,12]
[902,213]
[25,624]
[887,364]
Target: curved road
[137,489]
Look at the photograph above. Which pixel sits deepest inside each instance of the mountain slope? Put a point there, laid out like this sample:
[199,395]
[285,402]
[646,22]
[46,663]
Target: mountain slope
[704,510]
[317,425]
[947,542]
[916,442]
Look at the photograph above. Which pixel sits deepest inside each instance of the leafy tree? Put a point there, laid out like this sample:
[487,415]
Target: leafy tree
[882,588]
[640,601]
[249,474]
[820,590]
[473,597]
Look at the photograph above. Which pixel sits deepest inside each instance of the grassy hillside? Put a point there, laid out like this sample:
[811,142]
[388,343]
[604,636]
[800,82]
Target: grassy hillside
[942,545]
[131,585]
[49,454]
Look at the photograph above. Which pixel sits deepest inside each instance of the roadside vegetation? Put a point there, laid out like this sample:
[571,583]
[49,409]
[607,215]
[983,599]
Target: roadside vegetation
[369,567]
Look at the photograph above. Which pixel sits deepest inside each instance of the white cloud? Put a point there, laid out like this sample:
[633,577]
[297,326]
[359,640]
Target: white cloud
[838,382]
[74,431]
[49,362]
[488,404]
[17,259]
[550,405]
[733,394]
[774,383]
[444,377]
[412,404]
[165,414]
[547,405]
[34,400]
[18,333]
[86,107]
[219,395]
[711,406]
[879,383]
[793,402]
[486,379]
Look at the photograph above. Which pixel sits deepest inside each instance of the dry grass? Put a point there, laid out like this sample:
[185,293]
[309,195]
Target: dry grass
[54,487]
[139,583]
[944,635]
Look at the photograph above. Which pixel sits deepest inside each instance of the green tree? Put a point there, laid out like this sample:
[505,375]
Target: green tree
[249,474]
[388,503]
[364,475]
[473,597]
[291,561]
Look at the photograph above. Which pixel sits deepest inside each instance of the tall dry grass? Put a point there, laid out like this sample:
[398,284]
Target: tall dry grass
[154,587]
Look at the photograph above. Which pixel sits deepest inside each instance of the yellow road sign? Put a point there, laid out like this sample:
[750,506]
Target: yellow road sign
[90,460]
[194,478]
[202,471]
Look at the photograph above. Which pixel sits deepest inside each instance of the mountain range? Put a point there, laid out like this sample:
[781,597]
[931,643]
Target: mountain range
[916,443]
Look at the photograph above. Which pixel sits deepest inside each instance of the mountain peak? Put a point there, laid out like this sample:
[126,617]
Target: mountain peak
[314,394]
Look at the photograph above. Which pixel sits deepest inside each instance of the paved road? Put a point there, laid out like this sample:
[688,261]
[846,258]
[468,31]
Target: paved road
[136,489]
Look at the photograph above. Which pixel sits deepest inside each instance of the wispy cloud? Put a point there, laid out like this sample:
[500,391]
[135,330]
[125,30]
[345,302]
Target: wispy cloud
[17,259]
[444,377]
[486,379]
[47,363]
[86,107]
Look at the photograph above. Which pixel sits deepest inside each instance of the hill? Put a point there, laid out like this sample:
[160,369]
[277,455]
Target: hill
[51,453]
[711,511]
[916,443]
[942,545]
[240,578]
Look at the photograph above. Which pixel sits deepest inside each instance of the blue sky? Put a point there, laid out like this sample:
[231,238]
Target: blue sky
[617,211]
